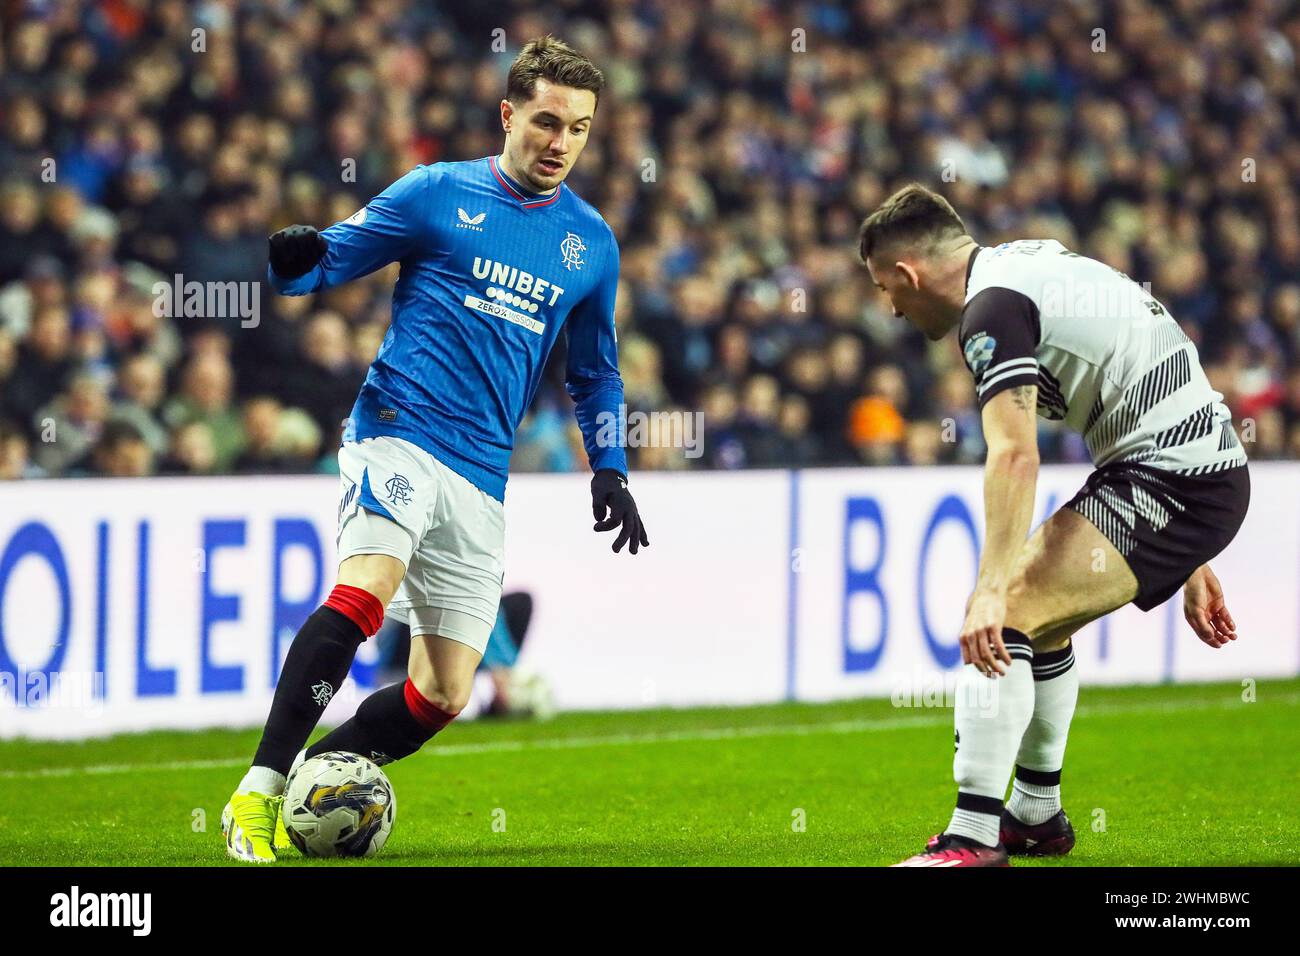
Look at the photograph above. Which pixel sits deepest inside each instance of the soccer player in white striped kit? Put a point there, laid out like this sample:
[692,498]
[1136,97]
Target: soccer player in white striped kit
[1046,330]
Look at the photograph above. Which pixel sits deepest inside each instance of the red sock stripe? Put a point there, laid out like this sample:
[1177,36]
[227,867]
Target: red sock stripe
[358,605]
[429,715]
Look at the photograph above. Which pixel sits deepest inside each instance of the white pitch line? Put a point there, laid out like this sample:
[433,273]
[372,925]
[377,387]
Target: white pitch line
[679,736]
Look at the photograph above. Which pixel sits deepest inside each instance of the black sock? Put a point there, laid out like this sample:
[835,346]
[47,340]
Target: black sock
[317,663]
[382,729]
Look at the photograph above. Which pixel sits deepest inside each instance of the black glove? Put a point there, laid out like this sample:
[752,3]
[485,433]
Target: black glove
[296,250]
[609,491]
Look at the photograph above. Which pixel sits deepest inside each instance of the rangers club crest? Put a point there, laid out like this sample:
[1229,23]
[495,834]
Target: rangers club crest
[321,693]
[399,490]
[572,249]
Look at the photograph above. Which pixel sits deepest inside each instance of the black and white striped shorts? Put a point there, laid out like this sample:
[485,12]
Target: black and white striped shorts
[1165,525]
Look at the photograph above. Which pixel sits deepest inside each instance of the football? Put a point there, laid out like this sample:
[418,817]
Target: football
[339,804]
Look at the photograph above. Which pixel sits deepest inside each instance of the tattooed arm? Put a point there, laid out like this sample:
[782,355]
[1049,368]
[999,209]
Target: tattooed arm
[1010,481]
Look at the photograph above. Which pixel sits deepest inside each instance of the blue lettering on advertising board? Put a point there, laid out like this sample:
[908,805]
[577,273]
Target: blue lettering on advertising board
[37,540]
[217,608]
[863,581]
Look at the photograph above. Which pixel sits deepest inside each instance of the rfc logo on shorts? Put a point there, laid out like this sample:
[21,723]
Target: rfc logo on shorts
[979,352]
[572,249]
[399,490]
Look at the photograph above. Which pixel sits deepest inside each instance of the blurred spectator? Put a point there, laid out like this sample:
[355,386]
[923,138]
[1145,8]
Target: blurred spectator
[1290,402]
[15,460]
[215,249]
[732,169]
[723,447]
[141,387]
[876,425]
[71,424]
[8,360]
[675,438]
[802,448]
[639,364]
[21,235]
[207,387]
[193,451]
[323,379]
[121,452]
[150,216]
[960,422]
[269,449]
[876,430]
[542,442]
[41,287]
[756,425]
[43,365]
[1270,435]
[923,443]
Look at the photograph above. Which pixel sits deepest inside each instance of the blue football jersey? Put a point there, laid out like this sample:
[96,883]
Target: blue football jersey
[490,274]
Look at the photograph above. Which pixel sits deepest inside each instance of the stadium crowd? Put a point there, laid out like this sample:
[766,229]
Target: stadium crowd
[737,146]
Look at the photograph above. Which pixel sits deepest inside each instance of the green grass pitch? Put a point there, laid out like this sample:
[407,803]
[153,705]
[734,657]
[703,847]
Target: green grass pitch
[1167,775]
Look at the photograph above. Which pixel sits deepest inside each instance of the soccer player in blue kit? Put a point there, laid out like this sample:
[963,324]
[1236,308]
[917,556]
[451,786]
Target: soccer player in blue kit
[497,255]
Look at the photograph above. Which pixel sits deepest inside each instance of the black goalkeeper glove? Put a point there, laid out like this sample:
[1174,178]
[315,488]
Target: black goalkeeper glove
[296,250]
[609,493]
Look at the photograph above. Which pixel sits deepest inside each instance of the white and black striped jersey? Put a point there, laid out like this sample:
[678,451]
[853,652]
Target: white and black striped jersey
[1107,358]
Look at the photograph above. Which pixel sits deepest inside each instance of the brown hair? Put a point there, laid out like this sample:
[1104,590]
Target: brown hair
[547,58]
[912,216]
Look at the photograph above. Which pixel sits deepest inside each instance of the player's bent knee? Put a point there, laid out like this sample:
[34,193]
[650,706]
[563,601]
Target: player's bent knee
[357,605]
[1024,613]
[1051,641]
[451,697]
[379,574]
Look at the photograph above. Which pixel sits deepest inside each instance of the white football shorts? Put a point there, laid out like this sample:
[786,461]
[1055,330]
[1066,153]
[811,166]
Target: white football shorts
[397,499]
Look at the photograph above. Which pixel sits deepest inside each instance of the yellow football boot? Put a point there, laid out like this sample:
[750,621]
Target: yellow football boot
[281,839]
[249,823]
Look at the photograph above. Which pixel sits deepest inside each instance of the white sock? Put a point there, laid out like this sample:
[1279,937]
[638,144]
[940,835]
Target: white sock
[991,717]
[1033,803]
[1036,791]
[262,780]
